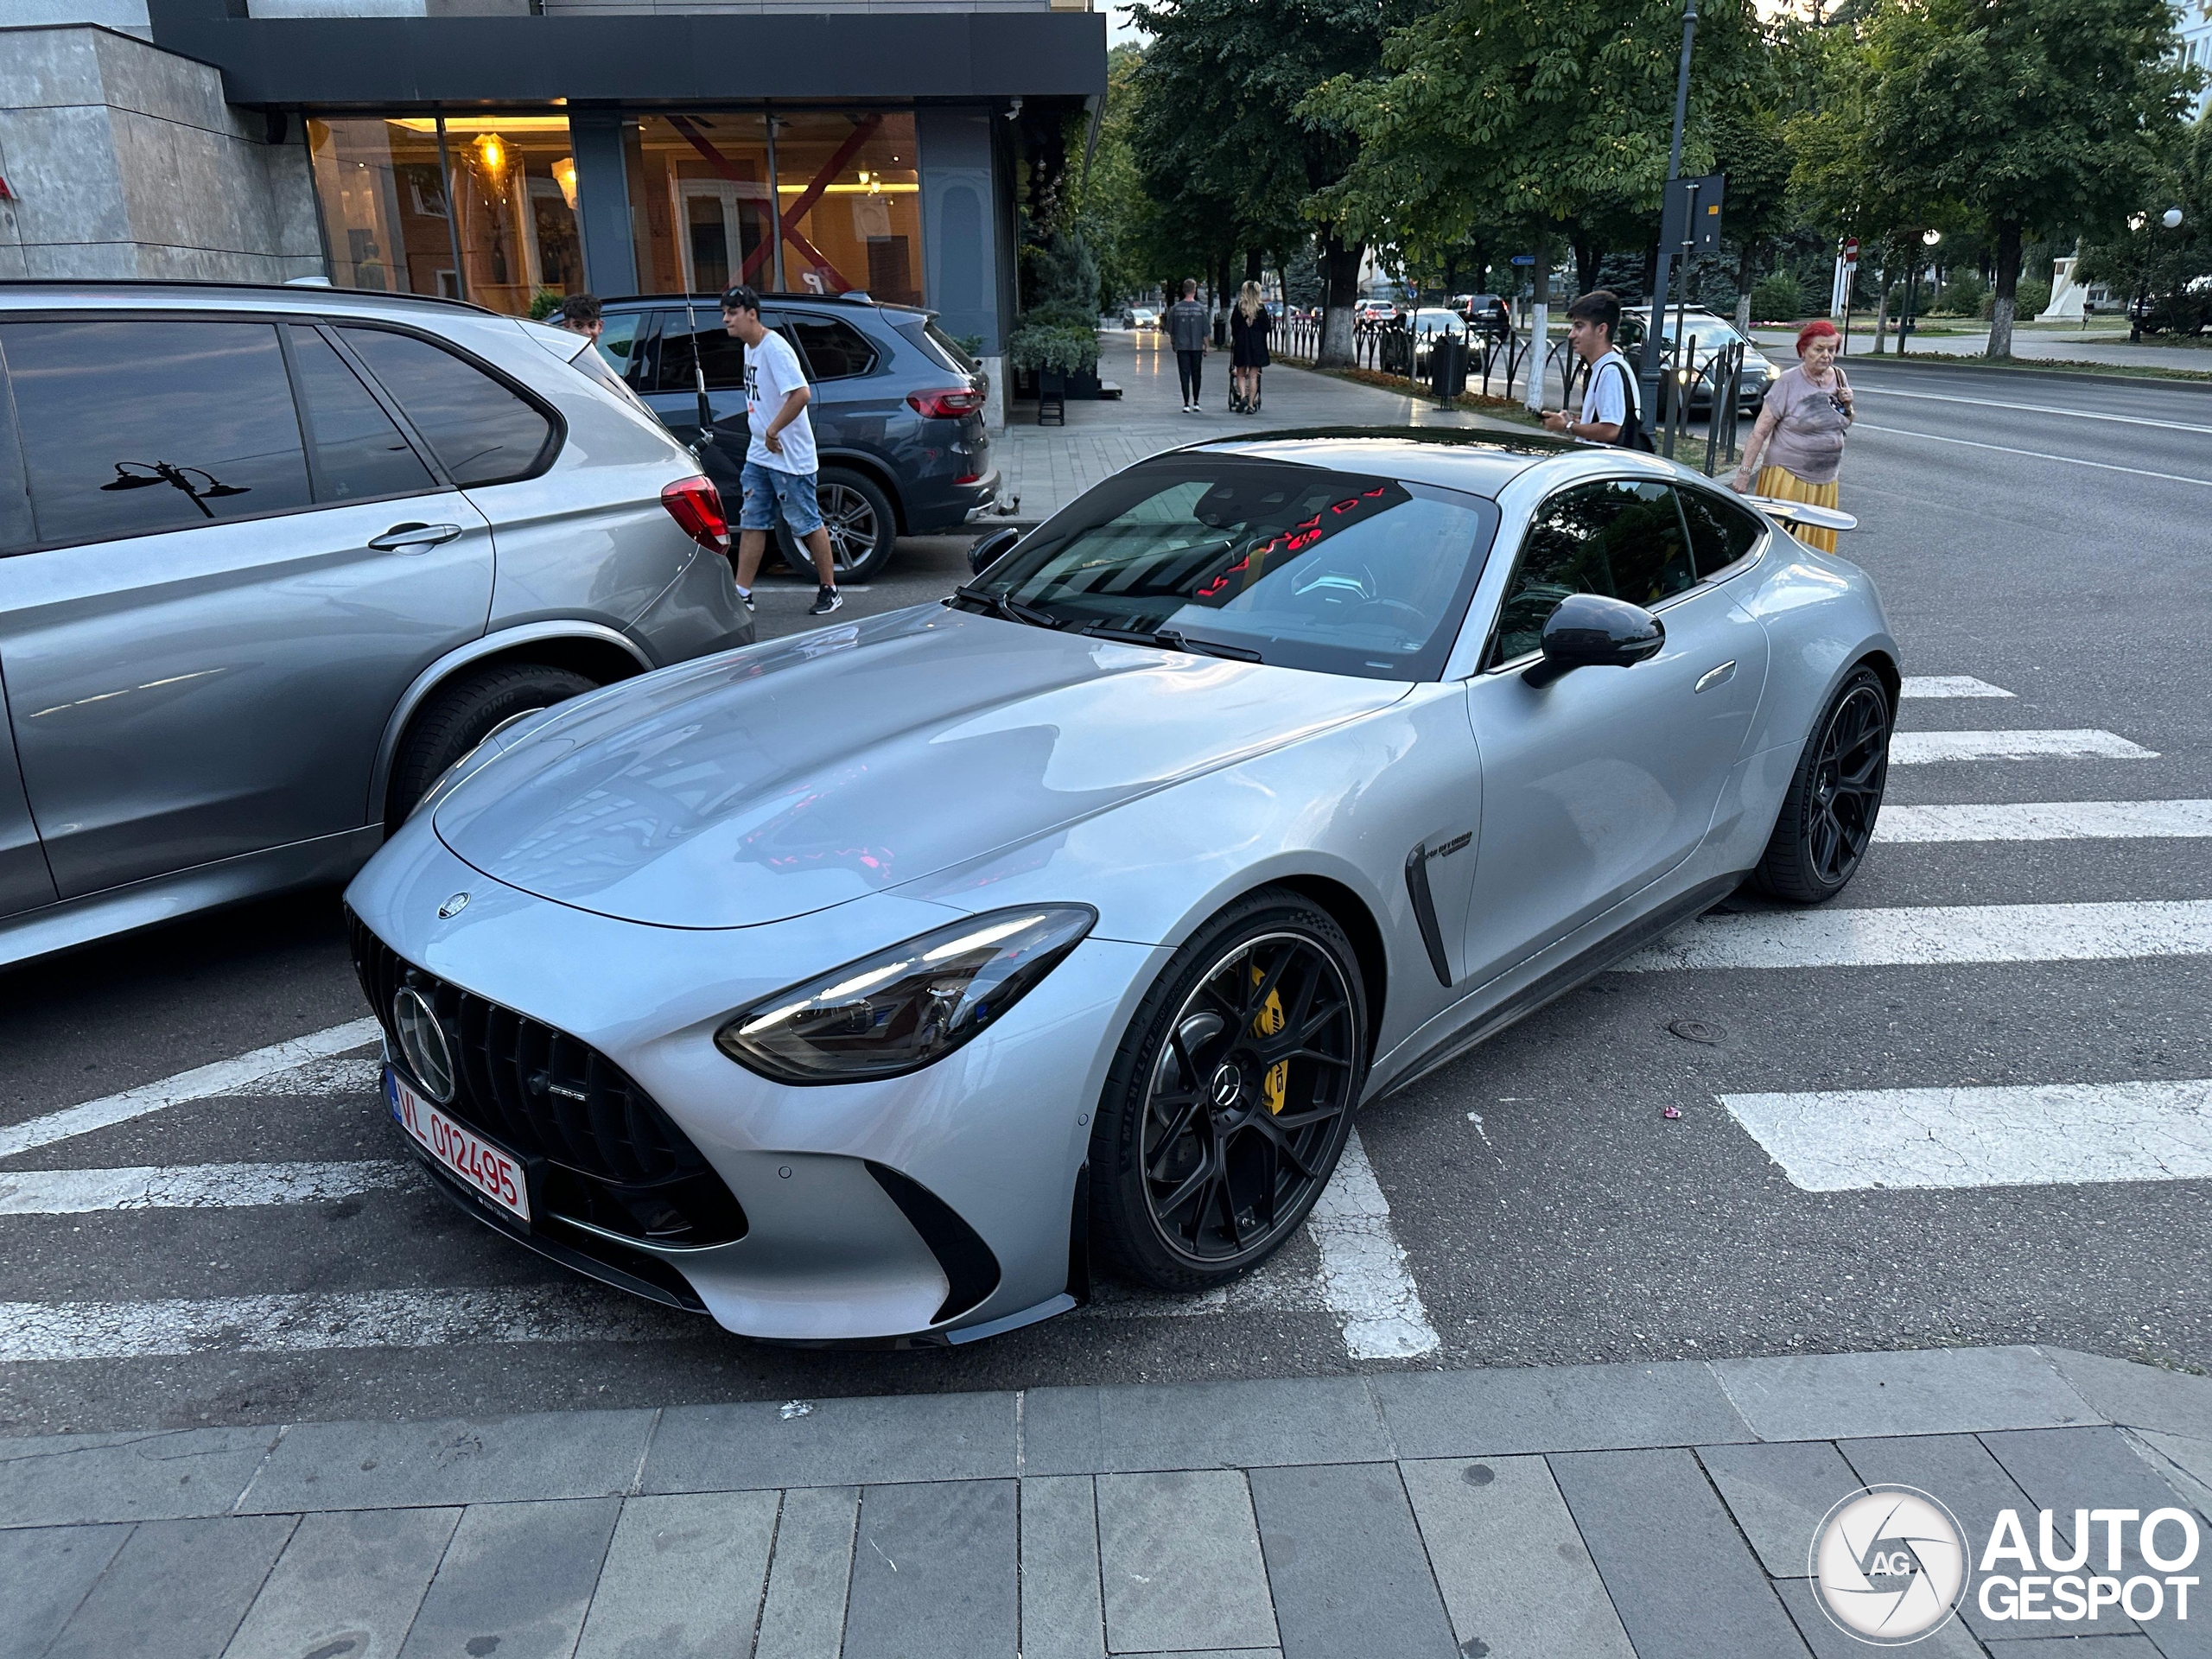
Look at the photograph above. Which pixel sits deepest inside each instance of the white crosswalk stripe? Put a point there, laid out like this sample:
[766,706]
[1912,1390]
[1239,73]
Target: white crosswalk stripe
[1930,934]
[1949,685]
[2047,821]
[192,1186]
[1928,748]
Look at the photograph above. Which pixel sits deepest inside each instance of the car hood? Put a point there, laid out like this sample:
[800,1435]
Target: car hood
[786,777]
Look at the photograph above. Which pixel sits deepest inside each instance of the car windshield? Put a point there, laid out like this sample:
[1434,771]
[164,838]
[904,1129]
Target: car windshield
[1300,566]
[1437,317]
[1706,329]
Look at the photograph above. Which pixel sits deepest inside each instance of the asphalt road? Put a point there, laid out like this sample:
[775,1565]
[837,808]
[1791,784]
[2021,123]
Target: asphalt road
[1547,1209]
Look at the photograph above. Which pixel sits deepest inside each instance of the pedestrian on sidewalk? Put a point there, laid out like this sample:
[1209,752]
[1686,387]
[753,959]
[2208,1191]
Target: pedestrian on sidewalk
[1187,327]
[580,315]
[1248,348]
[1610,411]
[1801,429]
[779,462]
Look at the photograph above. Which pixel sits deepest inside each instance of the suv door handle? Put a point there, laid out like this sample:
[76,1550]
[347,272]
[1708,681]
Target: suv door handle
[406,538]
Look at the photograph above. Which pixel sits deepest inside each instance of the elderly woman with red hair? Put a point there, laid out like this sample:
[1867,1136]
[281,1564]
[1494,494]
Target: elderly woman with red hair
[1801,431]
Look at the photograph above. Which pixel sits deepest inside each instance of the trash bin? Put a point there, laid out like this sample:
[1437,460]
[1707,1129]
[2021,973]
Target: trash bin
[1447,365]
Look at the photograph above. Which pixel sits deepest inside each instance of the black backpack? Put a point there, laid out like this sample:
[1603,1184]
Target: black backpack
[1633,436]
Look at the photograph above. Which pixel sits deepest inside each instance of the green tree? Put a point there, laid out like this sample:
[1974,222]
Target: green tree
[2033,114]
[2163,262]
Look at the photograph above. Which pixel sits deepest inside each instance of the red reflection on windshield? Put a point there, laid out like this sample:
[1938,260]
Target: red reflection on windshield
[1297,538]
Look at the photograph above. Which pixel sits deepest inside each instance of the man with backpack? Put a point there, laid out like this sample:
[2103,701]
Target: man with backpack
[1611,412]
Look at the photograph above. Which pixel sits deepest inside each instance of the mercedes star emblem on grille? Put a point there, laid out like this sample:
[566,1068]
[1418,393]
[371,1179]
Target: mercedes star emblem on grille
[422,1041]
[453,906]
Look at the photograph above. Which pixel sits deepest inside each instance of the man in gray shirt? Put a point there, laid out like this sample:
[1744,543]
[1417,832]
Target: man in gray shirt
[1187,326]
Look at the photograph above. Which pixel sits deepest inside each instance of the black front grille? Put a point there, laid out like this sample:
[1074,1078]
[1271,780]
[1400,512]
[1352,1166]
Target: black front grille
[606,1154]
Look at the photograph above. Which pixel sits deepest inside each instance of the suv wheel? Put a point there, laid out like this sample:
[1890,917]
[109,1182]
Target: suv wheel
[861,525]
[463,715]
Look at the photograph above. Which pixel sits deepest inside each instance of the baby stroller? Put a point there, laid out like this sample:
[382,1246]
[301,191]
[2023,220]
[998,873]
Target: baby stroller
[1236,405]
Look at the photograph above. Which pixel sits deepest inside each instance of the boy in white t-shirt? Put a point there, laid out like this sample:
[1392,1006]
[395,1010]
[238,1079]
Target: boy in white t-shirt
[779,462]
[1610,413]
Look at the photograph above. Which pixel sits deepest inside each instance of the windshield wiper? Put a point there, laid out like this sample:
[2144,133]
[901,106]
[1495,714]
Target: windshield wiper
[1172,640]
[1013,610]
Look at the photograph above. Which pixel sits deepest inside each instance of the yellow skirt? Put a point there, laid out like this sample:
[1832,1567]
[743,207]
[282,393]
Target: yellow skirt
[1785,485]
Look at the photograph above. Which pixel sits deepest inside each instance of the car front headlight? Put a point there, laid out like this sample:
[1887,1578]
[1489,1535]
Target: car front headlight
[906,1007]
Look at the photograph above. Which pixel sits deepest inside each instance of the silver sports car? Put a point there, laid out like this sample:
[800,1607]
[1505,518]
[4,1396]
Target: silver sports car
[871,985]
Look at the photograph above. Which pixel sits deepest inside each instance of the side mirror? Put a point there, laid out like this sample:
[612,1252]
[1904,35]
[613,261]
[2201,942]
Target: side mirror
[1590,631]
[988,550]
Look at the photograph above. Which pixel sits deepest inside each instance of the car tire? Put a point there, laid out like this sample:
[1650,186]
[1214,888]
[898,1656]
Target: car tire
[1834,796]
[460,716]
[863,527]
[1191,1187]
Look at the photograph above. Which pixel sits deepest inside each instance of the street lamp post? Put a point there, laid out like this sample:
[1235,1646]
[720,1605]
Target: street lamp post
[1929,238]
[2171,220]
[1647,374]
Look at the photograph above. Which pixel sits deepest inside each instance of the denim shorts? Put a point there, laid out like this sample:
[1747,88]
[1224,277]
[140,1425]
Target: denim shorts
[768,490]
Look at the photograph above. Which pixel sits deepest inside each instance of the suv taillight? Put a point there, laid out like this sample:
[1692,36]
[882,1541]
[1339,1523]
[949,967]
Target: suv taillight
[945,402]
[696,504]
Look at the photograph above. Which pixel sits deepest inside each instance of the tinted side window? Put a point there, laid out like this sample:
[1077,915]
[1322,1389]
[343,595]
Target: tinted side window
[481,432]
[1720,532]
[15,529]
[618,343]
[1621,539]
[832,350]
[359,453]
[720,353]
[129,428]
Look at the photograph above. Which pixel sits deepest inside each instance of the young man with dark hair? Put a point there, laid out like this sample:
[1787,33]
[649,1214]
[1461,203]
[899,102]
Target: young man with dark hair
[1187,327]
[580,315]
[779,462]
[1610,412]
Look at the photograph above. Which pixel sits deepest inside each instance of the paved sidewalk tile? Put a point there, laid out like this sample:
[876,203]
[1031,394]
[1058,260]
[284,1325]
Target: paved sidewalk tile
[61,1480]
[1061,1615]
[515,1581]
[1680,1577]
[1554,1409]
[411,1465]
[1129,1429]
[1779,1494]
[1179,1560]
[2085,1647]
[177,1588]
[934,1571]
[1515,1578]
[2142,1396]
[1829,1640]
[839,1443]
[804,1615]
[44,1574]
[2182,1461]
[1923,1391]
[355,1577]
[1345,1565]
[682,1580]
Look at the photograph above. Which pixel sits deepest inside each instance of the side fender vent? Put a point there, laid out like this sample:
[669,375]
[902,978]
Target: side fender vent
[1425,909]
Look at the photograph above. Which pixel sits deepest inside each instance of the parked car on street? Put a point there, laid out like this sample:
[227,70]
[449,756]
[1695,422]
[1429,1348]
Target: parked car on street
[1427,326]
[897,410]
[273,559]
[868,986]
[1713,335]
[1375,313]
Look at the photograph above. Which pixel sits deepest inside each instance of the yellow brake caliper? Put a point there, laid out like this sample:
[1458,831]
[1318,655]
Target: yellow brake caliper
[1276,1084]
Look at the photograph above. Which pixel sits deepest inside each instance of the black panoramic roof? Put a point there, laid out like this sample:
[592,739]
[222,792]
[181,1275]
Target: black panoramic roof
[1453,458]
[856,302]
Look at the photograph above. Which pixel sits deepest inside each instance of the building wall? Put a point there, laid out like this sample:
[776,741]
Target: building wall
[126,162]
[2193,19]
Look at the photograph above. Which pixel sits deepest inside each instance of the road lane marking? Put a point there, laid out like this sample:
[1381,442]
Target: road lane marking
[444,1316]
[192,1186]
[1847,1140]
[1935,934]
[1925,748]
[223,1078]
[2047,821]
[1363,1274]
[1949,685]
[2037,409]
[2031,455]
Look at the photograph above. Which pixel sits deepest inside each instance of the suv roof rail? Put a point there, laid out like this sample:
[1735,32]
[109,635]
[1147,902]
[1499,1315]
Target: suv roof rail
[296,289]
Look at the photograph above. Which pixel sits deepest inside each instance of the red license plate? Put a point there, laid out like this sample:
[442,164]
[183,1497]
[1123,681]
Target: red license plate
[486,1169]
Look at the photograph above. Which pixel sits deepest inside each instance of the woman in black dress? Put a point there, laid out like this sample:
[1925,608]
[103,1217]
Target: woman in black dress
[1248,322]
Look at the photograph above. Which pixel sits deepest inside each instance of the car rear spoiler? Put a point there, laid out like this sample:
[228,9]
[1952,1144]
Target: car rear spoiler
[1802,513]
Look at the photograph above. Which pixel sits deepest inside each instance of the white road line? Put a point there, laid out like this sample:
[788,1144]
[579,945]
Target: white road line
[2050,1134]
[1935,934]
[223,1078]
[1925,748]
[33,1332]
[2047,821]
[2031,455]
[1949,685]
[2041,409]
[1364,1274]
[191,1186]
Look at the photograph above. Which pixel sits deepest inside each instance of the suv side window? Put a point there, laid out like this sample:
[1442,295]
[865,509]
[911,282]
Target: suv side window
[132,427]
[618,343]
[480,431]
[1621,538]
[720,352]
[830,349]
[16,530]
[358,454]
[1720,532]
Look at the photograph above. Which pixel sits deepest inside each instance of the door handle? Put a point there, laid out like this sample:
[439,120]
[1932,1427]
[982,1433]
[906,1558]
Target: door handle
[403,538]
[1719,676]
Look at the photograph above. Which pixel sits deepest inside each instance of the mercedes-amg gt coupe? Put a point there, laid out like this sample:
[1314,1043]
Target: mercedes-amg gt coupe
[873,985]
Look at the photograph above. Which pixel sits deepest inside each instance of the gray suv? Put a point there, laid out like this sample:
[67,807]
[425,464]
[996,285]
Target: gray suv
[272,559]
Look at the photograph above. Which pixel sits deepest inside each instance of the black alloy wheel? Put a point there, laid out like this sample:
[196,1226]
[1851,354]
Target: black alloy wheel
[862,527]
[1232,1098]
[1827,817]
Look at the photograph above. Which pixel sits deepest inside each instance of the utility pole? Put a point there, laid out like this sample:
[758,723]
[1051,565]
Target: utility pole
[1648,372]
